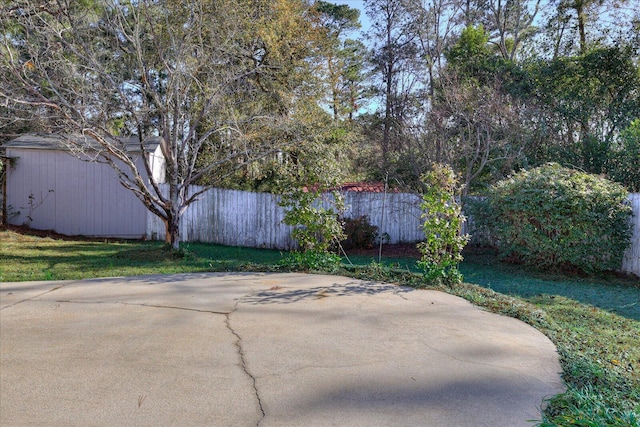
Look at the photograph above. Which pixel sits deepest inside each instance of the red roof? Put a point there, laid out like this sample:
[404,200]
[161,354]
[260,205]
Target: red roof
[362,187]
[366,187]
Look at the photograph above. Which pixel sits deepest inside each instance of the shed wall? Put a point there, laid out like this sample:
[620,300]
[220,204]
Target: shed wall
[53,190]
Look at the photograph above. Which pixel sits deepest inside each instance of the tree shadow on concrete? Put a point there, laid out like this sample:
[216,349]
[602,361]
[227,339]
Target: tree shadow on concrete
[285,295]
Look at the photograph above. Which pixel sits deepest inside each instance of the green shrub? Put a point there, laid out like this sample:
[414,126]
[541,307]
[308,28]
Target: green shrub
[555,218]
[314,214]
[443,244]
[623,165]
[359,233]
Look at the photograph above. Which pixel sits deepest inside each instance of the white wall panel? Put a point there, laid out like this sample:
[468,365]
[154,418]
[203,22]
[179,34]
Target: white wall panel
[71,196]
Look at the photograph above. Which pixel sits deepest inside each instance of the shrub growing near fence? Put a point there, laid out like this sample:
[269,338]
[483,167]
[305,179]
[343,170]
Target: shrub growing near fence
[314,214]
[443,244]
[359,233]
[552,217]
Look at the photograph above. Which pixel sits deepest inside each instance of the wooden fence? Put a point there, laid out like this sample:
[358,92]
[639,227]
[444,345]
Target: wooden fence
[233,218]
[631,260]
[240,218]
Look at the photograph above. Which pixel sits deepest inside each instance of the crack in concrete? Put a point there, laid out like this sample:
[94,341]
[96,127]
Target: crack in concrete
[227,322]
[36,296]
[244,362]
[398,293]
[171,307]
[225,313]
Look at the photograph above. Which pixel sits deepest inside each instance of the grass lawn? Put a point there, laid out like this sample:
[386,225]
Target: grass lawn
[24,257]
[595,323]
[615,293]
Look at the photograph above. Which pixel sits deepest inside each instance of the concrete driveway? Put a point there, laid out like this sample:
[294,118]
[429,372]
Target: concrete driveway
[263,349]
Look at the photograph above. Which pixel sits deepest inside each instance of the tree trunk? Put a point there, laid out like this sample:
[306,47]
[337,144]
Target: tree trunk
[581,27]
[4,173]
[172,226]
[173,213]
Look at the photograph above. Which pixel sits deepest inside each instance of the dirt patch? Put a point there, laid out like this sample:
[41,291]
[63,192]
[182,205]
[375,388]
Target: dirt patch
[409,250]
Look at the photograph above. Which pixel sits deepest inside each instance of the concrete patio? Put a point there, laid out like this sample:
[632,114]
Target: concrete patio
[263,349]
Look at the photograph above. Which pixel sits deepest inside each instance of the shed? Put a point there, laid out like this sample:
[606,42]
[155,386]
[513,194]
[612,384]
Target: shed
[50,188]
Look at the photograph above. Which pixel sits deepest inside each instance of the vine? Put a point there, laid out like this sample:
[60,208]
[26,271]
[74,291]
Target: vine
[442,248]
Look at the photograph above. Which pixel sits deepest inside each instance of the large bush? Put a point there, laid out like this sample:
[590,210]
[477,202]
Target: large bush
[554,218]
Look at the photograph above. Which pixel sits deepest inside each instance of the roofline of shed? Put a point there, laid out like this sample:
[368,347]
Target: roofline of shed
[50,141]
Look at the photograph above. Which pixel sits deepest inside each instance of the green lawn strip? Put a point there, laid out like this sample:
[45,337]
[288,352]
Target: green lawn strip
[600,355]
[614,293]
[26,258]
[593,322]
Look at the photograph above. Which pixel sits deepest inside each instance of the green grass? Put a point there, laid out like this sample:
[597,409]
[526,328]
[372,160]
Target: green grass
[615,293]
[594,322]
[32,258]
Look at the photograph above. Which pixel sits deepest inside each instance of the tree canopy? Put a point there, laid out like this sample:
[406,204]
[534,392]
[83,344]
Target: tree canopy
[223,80]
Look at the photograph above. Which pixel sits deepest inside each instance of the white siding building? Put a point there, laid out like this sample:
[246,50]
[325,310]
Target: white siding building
[49,188]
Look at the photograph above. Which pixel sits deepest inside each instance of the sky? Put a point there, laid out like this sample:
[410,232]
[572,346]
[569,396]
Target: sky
[627,8]
[359,4]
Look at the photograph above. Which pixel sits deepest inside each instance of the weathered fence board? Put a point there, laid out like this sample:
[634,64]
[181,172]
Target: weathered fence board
[230,217]
[631,260]
[397,215]
[240,218]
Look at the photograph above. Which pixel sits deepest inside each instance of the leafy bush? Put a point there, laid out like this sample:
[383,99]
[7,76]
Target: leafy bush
[443,244]
[553,217]
[359,233]
[624,162]
[315,216]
